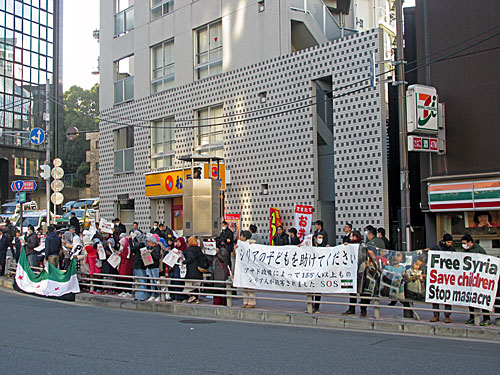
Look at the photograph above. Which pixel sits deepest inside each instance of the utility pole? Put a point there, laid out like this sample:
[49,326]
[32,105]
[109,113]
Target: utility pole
[48,146]
[405,218]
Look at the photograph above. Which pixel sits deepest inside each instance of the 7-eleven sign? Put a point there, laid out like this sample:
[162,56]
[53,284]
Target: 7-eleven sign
[425,144]
[422,109]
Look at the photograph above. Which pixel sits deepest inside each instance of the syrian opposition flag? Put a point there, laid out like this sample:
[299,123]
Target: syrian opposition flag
[51,283]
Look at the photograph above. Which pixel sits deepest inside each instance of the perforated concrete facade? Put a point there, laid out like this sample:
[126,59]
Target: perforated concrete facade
[278,150]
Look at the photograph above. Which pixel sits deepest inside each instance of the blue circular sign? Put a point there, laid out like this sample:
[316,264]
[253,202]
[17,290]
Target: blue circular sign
[37,136]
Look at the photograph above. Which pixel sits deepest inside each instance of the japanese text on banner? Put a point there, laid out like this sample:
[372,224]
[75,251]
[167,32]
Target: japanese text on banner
[303,220]
[300,269]
[462,279]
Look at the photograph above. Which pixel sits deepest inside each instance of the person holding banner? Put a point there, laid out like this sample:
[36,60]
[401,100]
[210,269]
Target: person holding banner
[320,241]
[255,236]
[469,246]
[280,238]
[294,239]
[248,294]
[320,230]
[446,244]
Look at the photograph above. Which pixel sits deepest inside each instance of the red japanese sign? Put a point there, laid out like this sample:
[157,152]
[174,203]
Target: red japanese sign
[417,143]
[234,223]
[303,220]
[275,222]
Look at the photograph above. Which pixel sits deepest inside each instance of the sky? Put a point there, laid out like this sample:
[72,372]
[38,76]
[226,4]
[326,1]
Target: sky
[80,49]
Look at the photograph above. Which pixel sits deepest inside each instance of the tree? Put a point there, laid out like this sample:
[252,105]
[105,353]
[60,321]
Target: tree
[81,110]
[81,174]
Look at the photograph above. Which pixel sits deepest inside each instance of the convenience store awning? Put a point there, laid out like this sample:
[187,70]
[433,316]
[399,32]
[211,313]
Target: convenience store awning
[472,195]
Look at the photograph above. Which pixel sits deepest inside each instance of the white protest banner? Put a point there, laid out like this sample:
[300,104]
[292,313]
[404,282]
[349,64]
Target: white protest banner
[299,269]
[462,279]
[100,252]
[114,260]
[171,258]
[210,247]
[303,220]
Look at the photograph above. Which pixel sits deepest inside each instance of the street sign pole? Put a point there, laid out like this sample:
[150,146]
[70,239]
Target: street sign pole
[48,145]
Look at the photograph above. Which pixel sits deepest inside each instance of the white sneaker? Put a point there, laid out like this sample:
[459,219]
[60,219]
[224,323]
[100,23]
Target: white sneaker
[122,294]
[158,299]
[150,299]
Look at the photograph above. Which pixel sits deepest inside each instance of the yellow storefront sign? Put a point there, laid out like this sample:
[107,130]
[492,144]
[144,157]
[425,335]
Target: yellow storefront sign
[171,182]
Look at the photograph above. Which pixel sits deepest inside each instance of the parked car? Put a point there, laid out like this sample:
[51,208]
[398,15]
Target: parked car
[11,210]
[68,206]
[92,203]
[63,222]
[36,218]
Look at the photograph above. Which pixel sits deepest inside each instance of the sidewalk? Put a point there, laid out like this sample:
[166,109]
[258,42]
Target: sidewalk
[279,312]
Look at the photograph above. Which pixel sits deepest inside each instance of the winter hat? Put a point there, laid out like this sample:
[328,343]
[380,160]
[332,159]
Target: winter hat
[151,239]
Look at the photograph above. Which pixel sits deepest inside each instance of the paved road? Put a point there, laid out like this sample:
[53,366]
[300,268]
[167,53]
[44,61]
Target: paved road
[49,337]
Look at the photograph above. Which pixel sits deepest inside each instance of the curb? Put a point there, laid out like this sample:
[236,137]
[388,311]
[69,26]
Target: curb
[276,317]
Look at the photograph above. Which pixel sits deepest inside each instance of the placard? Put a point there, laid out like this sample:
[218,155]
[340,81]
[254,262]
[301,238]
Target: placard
[210,247]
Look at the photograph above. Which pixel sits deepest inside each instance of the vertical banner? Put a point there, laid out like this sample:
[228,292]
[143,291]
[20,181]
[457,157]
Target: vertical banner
[234,223]
[462,279]
[303,220]
[275,223]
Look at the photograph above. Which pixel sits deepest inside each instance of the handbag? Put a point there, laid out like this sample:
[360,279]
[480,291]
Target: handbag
[203,263]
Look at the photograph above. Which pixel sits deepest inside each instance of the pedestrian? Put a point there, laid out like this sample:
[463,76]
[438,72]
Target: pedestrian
[220,273]
[347,233]
[135,228]
[249,301]
[280,238]
[32,242]
[155,228]
[119,227]
[67,245]
[294,239]
[381,235]
[255,236]
[11,232]
[320,230]
[355,237]
[126,266]
[153,270]
[320,242]
[446,244]
[165,232]
[139,267]
[372,239]
[74,222]
[4,245]
[52,247]
[468,246]
[227,237]
[193,258]
[17,245]
[175,272]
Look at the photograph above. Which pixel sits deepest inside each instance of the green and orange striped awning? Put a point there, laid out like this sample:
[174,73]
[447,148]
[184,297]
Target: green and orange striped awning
[464,196]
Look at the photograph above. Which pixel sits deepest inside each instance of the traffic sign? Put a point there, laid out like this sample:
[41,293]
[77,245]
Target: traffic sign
[425,144]
[37,136]
[57,173]
[21,197]
[19,185]
[57,198]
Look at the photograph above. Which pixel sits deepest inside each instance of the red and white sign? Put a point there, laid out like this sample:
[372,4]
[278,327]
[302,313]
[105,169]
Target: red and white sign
[303,220]
[426,144]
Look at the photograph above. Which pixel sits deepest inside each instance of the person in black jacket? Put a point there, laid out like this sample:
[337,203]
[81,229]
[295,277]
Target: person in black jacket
[52,247]
[446,244]
[227,238]
[280,238]
[294,239]
[320,230]
[348,232]
[381,235]
[139,267]
[32,241]
[153,270]
[4,244]
[192,259]
[119,227]
[75,223]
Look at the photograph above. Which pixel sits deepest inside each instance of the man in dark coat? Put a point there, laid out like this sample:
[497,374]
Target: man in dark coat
[381,235]
[52,247]
[119,227]
[280,238]
[347,231]
[322,231]
[4,244]
[227,238]
[74,222]
[294,239]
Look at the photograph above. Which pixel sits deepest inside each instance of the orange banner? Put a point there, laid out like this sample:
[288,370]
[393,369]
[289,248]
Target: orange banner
[275,223]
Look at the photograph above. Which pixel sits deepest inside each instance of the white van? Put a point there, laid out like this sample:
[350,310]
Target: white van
[11,210]
[36,218]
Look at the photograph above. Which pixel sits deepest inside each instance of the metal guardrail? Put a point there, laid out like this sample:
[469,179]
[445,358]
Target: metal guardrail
[217,288]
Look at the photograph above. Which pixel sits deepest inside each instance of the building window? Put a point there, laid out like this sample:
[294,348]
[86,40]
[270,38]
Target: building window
[161,7]
[163,68]
[209,131]
[124,149]
[208,50]
[162,143]
[124,80]
[124,16]
[26,167]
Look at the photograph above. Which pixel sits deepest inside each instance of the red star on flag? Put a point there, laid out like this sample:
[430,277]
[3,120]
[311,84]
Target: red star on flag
[38,286]
[20,277]
[56,288]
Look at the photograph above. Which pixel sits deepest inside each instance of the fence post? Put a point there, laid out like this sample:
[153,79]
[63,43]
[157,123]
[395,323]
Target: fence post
[309,304]
[376,309]
[477,317]
[229,299]
[91,283]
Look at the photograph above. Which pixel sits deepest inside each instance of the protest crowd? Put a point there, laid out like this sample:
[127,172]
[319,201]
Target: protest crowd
[107,248]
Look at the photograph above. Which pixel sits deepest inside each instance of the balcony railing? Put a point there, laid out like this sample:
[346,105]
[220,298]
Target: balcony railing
[124,21]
